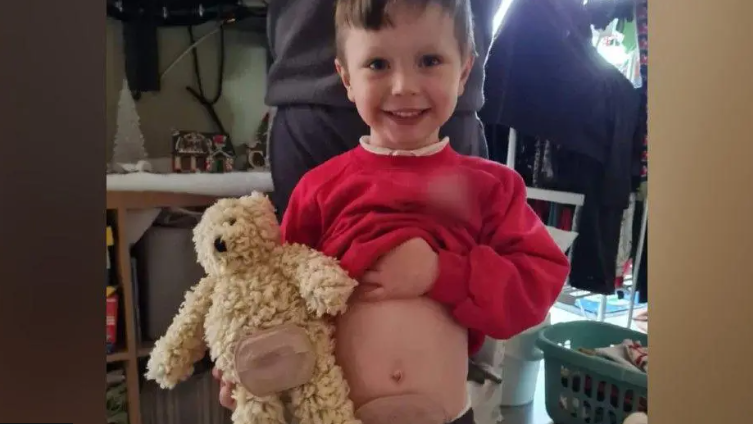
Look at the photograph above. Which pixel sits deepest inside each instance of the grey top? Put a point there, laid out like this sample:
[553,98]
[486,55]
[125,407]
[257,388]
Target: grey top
[301,35]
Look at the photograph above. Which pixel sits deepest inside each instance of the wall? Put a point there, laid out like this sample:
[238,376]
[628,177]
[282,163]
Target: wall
[240,108]
[700,203]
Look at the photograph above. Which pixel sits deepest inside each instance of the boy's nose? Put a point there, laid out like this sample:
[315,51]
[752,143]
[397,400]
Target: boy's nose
[404,84]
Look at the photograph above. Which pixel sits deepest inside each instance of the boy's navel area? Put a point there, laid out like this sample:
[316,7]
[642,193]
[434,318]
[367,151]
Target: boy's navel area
[408,347]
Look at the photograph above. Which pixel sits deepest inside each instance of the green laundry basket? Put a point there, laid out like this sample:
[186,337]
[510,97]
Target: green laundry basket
[583,389]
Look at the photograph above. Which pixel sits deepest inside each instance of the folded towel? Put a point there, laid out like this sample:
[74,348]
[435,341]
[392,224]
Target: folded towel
[636,418]
[629,353]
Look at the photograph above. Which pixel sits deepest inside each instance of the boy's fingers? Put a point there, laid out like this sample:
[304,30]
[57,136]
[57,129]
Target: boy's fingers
[226,390]
[226,396]
[216,373]
[369,280]
[372,293]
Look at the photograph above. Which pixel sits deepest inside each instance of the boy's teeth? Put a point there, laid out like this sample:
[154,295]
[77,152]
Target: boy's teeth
[404,114]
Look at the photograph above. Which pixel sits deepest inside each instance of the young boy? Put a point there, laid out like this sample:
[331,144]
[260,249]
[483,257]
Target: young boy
[444,246]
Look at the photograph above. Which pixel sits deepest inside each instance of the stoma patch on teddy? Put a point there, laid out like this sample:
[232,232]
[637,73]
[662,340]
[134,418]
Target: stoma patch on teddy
[402,409]
[274,360]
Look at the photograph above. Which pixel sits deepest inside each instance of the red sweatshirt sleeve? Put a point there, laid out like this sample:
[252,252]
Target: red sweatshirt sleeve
[508,282]
[302,222]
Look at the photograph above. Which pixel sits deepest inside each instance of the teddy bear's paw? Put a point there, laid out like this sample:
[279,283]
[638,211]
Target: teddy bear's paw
[163,378]
[159,375]
[329,300]
[327,293]
[166,376]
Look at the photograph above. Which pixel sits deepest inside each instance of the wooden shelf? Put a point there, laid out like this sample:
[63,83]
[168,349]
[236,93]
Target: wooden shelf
[120,356]
[119,202]
[123,268]
[133,349]
[155,199]
[123,355]
[144,350]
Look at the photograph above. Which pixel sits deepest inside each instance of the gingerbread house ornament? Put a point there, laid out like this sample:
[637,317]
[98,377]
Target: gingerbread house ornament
[257,152]
[197,152]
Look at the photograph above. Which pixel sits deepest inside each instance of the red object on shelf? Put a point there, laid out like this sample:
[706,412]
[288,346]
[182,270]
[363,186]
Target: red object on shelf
[111,313]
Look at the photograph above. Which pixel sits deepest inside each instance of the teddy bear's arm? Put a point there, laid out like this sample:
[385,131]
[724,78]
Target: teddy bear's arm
[174,354]
[324,285]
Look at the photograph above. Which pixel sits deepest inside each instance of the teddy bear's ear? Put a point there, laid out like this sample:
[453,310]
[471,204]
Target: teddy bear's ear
[254,197]
[258,199]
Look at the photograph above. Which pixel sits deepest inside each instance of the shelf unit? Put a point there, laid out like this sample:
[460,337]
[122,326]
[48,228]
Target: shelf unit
[119,203]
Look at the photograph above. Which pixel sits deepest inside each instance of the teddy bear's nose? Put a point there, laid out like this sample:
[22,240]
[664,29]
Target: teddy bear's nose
[219,245]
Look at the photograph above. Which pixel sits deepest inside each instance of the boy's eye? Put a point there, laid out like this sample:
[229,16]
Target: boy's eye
[377,64]
[430,60]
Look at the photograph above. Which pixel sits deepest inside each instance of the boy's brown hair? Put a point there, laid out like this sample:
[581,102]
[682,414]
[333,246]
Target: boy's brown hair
[374,15]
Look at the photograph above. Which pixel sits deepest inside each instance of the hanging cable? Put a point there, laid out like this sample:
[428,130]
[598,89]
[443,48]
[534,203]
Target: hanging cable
[189,49]
[200,95]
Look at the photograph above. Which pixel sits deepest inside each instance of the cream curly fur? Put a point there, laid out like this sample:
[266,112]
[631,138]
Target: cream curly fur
[256,284]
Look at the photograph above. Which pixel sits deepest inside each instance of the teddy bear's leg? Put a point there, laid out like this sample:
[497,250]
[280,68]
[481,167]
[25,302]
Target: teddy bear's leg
[251,409]
[324,399]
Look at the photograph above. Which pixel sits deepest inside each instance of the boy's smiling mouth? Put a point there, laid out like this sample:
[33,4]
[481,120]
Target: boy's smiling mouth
[406,116]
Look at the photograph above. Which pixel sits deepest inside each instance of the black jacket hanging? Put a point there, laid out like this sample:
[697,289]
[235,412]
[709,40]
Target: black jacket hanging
[547,80]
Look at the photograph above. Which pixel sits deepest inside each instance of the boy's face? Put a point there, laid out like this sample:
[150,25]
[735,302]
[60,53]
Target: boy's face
[405,80]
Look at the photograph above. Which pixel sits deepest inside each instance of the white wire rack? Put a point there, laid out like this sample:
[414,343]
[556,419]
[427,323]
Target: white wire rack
[577,200]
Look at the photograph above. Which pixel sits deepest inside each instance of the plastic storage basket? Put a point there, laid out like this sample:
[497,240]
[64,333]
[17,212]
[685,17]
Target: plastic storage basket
[583,389]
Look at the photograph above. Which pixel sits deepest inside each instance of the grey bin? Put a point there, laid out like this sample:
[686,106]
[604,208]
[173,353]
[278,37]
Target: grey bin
[169,269]
[194,401]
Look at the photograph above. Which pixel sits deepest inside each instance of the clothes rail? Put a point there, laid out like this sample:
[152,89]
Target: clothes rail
[577,200]
[638,263]
[554,196]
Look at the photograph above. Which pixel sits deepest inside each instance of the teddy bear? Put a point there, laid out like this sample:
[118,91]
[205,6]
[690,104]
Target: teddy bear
[265,312]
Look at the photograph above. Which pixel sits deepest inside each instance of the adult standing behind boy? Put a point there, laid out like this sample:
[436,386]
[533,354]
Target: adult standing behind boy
[314,120]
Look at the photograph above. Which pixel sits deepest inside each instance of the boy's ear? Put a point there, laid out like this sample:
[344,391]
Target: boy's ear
[345,78]
[465,73]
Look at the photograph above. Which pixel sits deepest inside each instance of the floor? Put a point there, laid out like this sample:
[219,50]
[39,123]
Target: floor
[535,413]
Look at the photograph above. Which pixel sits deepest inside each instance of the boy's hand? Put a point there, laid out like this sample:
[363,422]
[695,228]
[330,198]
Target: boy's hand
[226,390]
[408,271]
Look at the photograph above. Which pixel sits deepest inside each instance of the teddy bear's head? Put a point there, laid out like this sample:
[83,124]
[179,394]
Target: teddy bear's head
[235,233]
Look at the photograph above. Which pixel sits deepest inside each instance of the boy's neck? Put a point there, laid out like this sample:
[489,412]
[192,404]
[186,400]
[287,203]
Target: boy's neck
[375,140]
[427,149]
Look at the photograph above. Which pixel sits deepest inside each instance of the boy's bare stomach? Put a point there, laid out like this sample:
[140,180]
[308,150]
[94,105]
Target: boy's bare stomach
[401,347]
